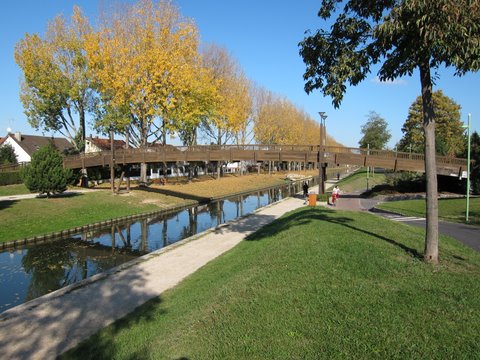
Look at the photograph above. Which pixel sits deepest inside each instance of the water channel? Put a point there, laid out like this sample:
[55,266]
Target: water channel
[38,269]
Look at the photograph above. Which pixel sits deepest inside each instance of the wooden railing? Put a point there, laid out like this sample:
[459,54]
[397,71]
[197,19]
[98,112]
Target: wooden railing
[260,152]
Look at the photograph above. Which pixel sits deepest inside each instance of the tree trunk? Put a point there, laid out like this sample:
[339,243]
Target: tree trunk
[143,173]
[431,236]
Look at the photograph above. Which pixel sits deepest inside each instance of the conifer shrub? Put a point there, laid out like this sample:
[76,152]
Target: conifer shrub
[46,174]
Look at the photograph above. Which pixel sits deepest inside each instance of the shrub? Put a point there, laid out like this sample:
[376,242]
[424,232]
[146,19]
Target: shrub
[46,174]
[7,155]
[324,197]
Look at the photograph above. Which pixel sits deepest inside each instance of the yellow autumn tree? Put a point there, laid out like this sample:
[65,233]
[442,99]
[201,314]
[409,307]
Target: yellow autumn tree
[146,62]
[56,90]
[233,106]
[278,121]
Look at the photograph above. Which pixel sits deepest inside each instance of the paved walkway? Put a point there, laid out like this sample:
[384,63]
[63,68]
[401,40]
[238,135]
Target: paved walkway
[466,234]
[32,196]
[46,327]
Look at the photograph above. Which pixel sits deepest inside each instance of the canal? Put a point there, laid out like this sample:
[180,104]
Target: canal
[38,269]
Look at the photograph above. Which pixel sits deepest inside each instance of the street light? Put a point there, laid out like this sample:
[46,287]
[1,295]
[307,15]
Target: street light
[323,128]
[468,167]
[322,171]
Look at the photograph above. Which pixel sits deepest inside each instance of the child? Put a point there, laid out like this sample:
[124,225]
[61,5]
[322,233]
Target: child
[335,195]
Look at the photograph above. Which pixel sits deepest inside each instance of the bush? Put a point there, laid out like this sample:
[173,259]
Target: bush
[405,182]
[7,155]
[10,178]
[324,197]
[46,174]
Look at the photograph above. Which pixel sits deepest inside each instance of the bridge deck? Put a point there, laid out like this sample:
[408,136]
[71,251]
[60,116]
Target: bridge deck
[258,153]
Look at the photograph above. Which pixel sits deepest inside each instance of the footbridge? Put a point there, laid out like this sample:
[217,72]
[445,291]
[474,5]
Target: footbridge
[306,154]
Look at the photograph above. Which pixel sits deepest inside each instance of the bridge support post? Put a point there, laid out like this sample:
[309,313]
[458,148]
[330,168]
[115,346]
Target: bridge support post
[322,172]
[322,177]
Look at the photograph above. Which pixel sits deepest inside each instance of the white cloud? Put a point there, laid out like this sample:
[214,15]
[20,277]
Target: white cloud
[377,80]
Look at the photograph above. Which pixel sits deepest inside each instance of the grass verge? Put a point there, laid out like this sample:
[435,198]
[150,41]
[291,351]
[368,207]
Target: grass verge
[17,189]
[314,284]
[448,209]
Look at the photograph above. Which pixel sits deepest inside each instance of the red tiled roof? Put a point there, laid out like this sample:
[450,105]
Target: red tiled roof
[104,144]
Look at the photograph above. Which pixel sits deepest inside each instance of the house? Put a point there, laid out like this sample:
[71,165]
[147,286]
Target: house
[96,144]
[25,145]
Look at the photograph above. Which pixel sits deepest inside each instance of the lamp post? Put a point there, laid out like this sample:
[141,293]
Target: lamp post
[322,171]
[468,168]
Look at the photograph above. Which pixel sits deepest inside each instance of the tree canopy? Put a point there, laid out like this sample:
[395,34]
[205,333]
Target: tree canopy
[375,132]
[401,36]
[56,88]
[449,133]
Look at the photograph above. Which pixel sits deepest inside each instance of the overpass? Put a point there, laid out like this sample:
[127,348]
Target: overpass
[307,154]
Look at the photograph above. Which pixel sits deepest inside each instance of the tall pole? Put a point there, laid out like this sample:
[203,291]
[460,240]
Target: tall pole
[321,154]
[468,170]
[368,167]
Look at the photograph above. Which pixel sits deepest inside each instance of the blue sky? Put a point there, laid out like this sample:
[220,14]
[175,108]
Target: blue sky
[263,35]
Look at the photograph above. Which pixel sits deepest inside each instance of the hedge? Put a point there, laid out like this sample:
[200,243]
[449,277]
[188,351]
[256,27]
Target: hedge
[10,178]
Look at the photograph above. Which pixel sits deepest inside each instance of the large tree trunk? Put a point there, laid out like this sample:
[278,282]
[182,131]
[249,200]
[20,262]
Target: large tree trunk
[431,236]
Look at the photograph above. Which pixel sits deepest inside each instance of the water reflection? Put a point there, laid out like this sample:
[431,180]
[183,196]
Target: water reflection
[36,270]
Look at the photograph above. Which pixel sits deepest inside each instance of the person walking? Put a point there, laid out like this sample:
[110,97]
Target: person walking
[305,192]
[335,195]
[305,189]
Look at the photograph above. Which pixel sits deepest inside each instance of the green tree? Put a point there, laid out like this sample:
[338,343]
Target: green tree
[402,37]
[449,138]
[7,155]
[46,174]
[375,132]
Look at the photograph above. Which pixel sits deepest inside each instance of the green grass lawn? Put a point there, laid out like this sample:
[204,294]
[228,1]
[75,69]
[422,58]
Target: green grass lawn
[315,284]
[448,209]
[18,189]
[31,217]
[358,181]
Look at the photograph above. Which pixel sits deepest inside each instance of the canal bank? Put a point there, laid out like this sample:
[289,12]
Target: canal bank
[50,325]
[31,270]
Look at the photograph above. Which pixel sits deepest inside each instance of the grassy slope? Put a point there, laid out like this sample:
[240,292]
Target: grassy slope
[358,181]
[8,190]
[25,218]
[314,284]
[449,209]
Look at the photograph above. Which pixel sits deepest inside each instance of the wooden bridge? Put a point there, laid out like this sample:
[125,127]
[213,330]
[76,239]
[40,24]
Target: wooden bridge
[306,154]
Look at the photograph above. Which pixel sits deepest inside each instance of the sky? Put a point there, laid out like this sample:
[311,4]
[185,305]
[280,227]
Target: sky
[263,36]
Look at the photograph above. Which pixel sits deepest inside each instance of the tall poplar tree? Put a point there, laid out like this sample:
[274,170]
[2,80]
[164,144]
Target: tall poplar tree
[233,106]
[402,36]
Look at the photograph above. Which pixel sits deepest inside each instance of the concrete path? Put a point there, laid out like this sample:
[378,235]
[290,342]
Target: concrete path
[466,234]
[35,195]
[46,327]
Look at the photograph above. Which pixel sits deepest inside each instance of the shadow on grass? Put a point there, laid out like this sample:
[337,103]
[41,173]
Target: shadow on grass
[178,194]
[103,347]
[315,214]
[5,204]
